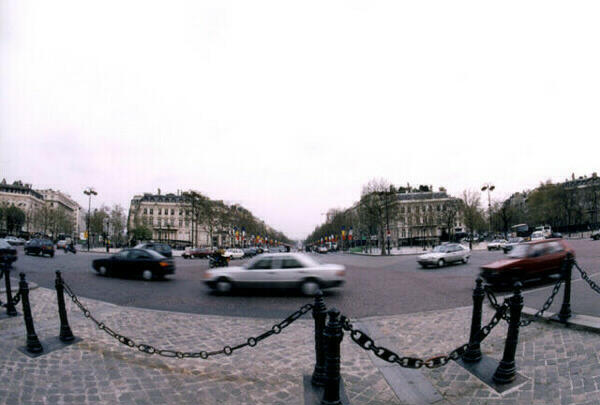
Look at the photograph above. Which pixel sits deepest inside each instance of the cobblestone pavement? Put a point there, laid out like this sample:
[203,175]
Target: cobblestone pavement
[562,365]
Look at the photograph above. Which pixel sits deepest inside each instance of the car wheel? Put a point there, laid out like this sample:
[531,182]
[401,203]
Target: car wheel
[147,275]
[441,263]
[103,271]
[310,287]
[465,260]
[223,285]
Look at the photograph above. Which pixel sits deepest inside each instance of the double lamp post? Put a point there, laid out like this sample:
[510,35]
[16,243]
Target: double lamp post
[89,192]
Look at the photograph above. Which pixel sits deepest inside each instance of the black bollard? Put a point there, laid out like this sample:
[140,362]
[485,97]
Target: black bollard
[565,309]
[65,330]
[473,352]
[10,305]
[507,371]
[319,314]
[33,343]
[333,337]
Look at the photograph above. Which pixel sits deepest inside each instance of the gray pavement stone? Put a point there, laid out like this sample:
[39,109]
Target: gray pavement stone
[563,365]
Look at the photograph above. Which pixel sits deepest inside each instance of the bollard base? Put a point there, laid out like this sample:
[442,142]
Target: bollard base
[313,394]
[50,345]
[4,315]
[484,370]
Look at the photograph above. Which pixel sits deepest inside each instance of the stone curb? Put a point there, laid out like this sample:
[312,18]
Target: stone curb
[14,286]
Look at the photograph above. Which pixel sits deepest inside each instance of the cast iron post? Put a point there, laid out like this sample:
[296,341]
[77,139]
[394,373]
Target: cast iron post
[333,338]
[65,330]
[507,371]
[33,343]
[319,314]
[565,309]
[10,306]
[473,353]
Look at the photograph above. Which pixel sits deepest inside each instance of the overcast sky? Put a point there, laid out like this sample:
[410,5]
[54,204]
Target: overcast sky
[288,108]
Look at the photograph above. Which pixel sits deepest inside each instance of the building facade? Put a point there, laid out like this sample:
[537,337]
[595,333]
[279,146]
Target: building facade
[22,196]
[169,218]
[58,200]
[425,217]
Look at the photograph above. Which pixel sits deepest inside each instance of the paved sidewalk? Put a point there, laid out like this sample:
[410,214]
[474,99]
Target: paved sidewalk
[562,365]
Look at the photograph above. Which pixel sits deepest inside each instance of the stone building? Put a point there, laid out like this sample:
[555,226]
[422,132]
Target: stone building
[22,196]
[425,217]
[58,200]
[169,218]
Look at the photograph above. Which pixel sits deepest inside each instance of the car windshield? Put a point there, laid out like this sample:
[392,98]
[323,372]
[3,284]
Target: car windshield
[519,252]
[440,249]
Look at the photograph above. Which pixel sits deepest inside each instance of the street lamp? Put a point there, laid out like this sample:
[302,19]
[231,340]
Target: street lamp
[489,187]
[89,192]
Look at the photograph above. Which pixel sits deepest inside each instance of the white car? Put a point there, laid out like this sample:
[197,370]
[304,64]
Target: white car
[14,241]
[234,253]
[537,235]
[496,244]
[445,254]
[279,270]
[322,249]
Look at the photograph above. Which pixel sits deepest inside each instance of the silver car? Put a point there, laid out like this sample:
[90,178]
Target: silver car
[445,254]
[279,270]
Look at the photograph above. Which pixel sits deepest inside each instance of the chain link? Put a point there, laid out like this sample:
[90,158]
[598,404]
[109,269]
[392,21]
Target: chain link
[587,278]
[494,303]
[148,349]
[366,342]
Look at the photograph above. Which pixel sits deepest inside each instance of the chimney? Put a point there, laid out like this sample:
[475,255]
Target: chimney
[159,191]
[594,175]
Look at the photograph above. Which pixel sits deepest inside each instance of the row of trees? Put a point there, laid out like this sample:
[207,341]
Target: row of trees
[46,220]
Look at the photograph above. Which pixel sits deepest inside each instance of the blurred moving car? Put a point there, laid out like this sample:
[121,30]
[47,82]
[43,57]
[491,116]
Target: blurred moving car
[8,253]
[250,251]
[61,244]
[277,270]
[201,252]
[161,248]
[234,253]
[14,241]
[39,247]
[512,242]
[536,259]
[445,254]
[147,263]
[496,244]
[595,235]
[322,249]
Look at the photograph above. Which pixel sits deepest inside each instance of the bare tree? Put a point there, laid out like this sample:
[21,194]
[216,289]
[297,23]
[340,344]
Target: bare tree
[376,201]
[471,211]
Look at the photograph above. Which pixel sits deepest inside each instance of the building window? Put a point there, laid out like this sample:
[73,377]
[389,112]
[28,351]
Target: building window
[180,212]
[145,211]
[159,211]
[151,211]
[180,222]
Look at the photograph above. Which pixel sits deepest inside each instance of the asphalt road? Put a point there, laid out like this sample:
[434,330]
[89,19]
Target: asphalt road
[374,285]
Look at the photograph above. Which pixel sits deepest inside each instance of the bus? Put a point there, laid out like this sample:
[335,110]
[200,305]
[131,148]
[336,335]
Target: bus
[521,230]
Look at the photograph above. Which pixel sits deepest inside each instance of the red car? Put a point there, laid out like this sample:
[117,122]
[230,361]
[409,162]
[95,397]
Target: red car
[537,259]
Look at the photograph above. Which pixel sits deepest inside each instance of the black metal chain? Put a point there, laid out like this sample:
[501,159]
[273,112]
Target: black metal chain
[587,278]
[148,349]
[367,343]
[15,299]
[494,303]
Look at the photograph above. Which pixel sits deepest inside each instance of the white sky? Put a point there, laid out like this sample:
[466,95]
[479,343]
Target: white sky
[290,107]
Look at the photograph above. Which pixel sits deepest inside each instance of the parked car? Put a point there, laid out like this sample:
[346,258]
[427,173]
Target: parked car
[8,253]
[39,247]
[278,270]
[201,252]
[445,254]
[14,241]
[234,253]
[512,242]
[147,263]
[536,259]
[161,248]
[496,244]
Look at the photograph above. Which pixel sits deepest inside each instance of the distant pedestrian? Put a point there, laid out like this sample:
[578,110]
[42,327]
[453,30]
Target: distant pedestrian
[107,245]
